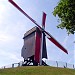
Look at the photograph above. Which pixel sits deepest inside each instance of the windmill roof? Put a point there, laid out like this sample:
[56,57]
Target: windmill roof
[30,31]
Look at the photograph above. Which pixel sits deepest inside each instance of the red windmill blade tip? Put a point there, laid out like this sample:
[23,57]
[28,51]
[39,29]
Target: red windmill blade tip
[67,52]
[44,13]
[10,0]
[43,20]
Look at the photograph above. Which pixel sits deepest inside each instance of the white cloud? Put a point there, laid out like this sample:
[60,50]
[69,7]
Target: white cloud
[8,58]
[65,41]
[4,14]
[71,60]
[9,55]
[2,8]
[6,38]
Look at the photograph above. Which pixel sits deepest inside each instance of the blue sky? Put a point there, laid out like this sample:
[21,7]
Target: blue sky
[13,25]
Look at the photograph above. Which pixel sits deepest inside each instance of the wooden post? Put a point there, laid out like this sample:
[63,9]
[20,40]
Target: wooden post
[12,65]
[18,64]
[73,65]
[66,65]
[57,63]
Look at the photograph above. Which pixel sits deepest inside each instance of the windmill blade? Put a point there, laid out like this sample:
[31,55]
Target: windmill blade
[49,36]
[43,20]
[53,40]
[23,12]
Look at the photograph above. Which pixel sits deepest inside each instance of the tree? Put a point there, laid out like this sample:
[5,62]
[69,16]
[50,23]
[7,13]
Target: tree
[65,10]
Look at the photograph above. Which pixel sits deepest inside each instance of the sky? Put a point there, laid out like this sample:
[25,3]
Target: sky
[14,24]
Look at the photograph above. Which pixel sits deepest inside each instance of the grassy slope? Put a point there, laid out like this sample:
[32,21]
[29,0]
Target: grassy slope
[37,70]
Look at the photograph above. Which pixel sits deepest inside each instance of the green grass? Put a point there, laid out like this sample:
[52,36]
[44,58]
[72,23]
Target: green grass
[37,70]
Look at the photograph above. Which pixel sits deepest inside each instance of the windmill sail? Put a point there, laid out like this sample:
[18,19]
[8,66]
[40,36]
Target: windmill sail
[51,38]
[43,20]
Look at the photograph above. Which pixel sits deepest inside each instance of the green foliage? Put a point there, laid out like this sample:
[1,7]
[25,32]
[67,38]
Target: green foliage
[37,70]
[65,10]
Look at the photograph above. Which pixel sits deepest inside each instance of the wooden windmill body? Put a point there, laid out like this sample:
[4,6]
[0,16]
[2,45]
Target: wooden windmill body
[34,48]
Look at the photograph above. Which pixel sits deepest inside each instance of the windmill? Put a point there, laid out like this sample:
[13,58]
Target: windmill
[40,33]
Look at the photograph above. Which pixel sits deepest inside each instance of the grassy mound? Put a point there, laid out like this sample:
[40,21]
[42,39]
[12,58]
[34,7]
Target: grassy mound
[37,70]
